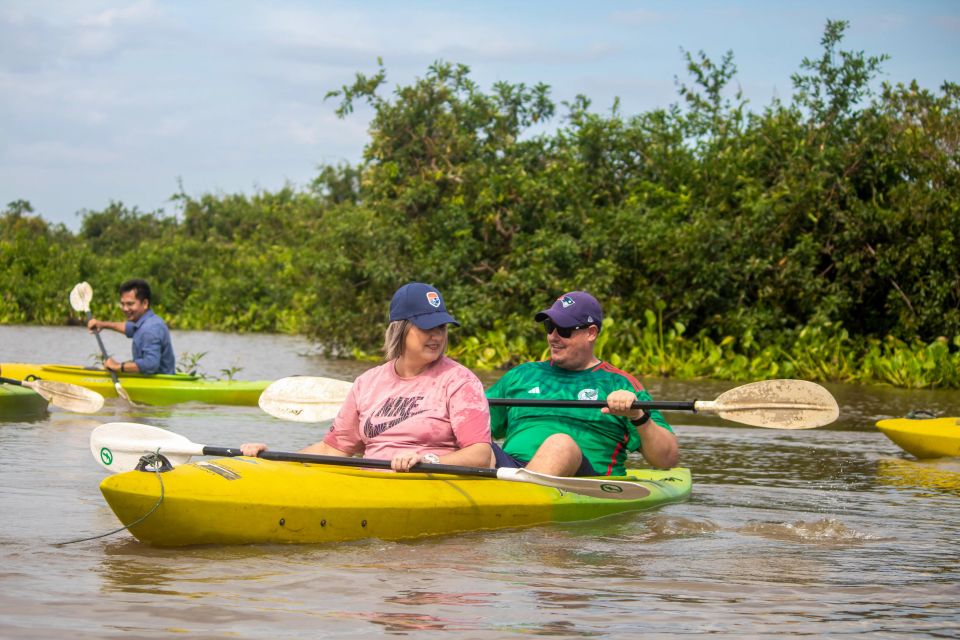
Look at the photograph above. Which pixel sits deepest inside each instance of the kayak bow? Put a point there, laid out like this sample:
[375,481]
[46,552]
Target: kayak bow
[924,437]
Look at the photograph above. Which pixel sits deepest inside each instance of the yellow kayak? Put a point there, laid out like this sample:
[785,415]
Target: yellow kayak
[251,500]
[924,437]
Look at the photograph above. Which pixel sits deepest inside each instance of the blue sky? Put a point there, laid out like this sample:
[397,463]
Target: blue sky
[124,100]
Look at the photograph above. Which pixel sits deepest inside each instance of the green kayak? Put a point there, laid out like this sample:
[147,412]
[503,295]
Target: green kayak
[157,389]
[18,403]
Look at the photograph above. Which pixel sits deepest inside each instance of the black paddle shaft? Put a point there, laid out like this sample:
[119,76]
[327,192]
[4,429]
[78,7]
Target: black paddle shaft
[282,456]
[670,405]
[103,349]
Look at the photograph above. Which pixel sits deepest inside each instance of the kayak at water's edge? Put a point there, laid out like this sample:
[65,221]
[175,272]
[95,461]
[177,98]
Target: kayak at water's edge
[159,389]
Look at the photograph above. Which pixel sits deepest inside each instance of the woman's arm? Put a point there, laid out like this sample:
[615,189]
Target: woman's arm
[253,449]
[474,455]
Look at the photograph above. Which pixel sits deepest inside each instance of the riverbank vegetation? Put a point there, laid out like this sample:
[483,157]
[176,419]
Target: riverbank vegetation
[813,238]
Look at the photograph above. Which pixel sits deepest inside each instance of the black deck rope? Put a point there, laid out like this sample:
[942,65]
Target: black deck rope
[921,414]
[159,465]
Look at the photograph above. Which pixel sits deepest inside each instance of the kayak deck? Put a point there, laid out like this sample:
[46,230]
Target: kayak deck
[249,500]
[159,389]
[924,437]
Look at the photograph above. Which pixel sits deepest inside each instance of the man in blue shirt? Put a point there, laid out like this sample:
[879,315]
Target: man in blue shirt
[152,347]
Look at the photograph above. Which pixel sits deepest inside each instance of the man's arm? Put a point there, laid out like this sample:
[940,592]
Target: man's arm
[659,446]
[96,325]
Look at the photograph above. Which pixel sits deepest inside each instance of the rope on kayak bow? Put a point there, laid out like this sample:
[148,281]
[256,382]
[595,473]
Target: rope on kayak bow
[149,462]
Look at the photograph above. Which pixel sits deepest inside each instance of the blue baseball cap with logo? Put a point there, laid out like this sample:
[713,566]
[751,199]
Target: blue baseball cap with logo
[573,309]
[422,305]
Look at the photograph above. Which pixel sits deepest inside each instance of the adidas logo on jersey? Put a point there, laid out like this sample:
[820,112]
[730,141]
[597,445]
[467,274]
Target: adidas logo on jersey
[534,390]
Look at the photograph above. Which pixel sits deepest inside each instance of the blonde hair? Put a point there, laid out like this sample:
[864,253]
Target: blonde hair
[394,338]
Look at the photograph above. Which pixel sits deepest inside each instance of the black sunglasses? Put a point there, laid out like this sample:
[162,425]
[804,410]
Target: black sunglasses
[563,332]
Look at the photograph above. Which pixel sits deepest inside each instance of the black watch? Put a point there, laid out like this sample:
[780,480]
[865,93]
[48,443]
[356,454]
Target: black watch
[642,420]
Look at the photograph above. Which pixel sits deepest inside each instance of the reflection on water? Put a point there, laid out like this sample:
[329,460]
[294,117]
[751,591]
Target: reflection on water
[941,475]
[808,533]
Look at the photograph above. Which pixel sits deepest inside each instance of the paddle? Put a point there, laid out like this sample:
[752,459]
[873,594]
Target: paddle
[773,404]
[304,398]
[61,394]
[118,446]
[80,298]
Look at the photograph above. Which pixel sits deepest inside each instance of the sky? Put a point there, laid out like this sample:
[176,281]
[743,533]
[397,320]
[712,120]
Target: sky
[133,100]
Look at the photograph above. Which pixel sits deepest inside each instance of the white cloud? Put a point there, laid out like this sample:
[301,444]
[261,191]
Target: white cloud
[58,154]
[143,12]
[642,17]
[107,99]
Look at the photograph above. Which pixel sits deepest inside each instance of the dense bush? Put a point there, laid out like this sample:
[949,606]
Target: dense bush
[815,238]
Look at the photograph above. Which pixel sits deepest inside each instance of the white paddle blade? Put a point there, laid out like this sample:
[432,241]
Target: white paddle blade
[122,393]
[67,396]
[304,398]
[776,404]
[610,489]
[80,297]
[118,446]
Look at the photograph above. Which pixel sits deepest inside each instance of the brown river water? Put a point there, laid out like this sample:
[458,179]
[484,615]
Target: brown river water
[819,533]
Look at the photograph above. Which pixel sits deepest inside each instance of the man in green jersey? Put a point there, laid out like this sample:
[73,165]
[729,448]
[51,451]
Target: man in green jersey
[576,441]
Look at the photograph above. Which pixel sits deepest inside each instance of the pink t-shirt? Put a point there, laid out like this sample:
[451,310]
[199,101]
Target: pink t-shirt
[441,410]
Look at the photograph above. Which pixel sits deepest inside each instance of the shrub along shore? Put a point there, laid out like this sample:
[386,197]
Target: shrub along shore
[816,238]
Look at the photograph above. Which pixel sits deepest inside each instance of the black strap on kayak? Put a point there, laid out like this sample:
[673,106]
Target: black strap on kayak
[154,462]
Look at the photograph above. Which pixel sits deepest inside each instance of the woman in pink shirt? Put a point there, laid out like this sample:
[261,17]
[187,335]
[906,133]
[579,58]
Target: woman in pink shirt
[419,404]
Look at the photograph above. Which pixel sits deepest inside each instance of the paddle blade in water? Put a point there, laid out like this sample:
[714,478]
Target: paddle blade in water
[304,398]
[776,404]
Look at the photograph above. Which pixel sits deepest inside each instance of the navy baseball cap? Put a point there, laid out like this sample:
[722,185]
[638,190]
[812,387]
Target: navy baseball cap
[573,309]
[422,305]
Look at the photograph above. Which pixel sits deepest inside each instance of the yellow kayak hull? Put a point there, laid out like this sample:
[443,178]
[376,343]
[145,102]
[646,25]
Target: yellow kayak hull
[249,501]
[159,389]
[924,438]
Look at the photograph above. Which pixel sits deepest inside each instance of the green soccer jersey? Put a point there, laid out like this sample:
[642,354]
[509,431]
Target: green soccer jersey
[603,439]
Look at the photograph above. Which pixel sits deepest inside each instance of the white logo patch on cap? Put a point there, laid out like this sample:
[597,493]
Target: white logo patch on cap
[433,298]
[566,301]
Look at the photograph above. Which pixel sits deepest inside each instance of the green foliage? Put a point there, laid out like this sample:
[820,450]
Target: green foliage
[189,363]
[814,238]
[39,264]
